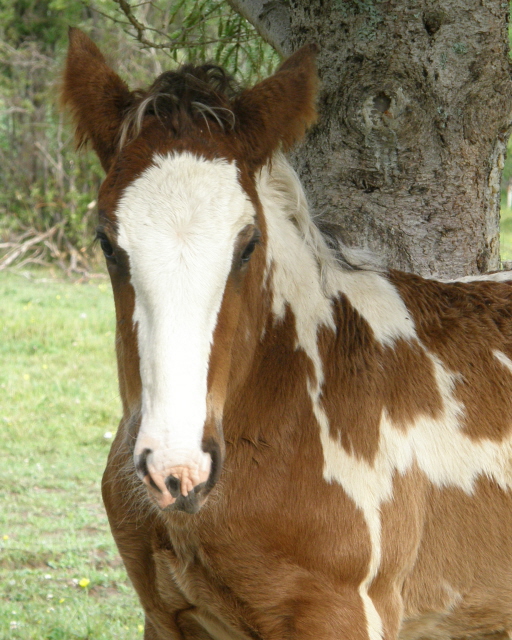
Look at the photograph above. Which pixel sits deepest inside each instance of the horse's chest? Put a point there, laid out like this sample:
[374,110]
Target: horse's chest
[188,580]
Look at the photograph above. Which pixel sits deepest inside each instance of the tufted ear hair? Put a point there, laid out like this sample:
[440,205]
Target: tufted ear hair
[277,111]
[96,97]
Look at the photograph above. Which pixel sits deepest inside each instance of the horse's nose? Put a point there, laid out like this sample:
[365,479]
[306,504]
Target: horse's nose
[178,487]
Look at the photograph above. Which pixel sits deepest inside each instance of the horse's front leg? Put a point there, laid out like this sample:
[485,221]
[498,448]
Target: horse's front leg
[186,629]
[322,613]
[150,633]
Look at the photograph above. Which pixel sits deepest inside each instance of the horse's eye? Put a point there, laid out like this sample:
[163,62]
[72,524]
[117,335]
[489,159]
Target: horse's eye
[106,247]
[247,252]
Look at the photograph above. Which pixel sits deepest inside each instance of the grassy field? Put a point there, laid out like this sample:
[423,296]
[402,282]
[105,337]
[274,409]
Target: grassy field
[60,575]
[506,234]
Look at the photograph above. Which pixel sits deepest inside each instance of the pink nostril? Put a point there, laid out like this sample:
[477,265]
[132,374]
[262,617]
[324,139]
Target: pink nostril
[173,485]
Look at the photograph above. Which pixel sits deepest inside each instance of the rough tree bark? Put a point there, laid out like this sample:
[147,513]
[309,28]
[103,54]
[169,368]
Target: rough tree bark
[415,112]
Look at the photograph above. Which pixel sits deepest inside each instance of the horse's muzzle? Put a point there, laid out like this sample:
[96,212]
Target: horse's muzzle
[182,489]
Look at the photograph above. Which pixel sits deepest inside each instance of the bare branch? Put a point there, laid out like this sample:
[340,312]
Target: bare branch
[25,246]
[138,26]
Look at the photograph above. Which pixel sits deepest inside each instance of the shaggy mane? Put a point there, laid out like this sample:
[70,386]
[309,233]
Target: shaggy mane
[177,98]
[282,186]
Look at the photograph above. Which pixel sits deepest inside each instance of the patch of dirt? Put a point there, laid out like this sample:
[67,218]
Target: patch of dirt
[100,592]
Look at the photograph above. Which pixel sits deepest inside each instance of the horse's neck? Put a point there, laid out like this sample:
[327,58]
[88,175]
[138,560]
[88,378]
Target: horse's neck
[306,279]
[308,295]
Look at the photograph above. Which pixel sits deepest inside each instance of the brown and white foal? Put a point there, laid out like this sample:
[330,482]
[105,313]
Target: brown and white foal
[310,449]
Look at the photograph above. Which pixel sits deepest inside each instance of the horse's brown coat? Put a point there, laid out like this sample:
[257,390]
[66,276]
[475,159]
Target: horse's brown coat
[288,545]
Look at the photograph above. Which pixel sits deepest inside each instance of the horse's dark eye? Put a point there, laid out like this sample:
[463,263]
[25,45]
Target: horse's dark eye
[247,252]
[106,247]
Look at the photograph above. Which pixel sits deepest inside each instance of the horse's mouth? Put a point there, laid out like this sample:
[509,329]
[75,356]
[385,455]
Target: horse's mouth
[190,503]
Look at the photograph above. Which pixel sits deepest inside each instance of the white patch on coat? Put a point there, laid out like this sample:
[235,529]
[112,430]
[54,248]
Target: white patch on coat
[178,223]
[363,496]
[291,265]
[437,446]
[377,301]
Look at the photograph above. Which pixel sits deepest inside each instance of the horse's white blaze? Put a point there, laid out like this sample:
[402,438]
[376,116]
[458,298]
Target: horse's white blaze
[178,223]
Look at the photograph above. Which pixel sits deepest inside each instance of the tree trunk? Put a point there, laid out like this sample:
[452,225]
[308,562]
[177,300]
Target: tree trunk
[415,112]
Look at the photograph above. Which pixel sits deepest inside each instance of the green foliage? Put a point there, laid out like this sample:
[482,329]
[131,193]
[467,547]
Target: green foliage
[506,233]
[42,182]
[44,21]
[199,31]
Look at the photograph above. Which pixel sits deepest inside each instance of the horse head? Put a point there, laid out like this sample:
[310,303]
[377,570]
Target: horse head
[185,241]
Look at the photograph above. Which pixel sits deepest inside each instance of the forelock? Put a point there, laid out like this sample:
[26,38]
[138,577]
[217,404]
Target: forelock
[192,95]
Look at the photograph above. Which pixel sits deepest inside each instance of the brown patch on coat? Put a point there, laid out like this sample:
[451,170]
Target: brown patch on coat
[409,385]
[363,379]
[245,282]
[462,324]
[130,385]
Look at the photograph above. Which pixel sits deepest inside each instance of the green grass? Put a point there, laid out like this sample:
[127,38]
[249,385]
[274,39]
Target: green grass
[58,398]
[506,234]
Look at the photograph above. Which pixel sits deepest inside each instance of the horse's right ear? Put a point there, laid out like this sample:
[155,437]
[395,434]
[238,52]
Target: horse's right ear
[95,95]
[277,111]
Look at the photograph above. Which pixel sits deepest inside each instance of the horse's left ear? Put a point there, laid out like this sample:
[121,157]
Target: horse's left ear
[95,95]
[277,111]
